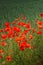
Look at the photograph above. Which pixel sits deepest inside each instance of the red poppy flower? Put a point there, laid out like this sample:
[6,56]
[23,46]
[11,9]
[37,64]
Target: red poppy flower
[39,22]
[15,28]
[22,48]
[4,44]
[4,36]
[18,39]
[7,24]
[21,24]
[39,32]
[12,36]
[28,45]
[28,26]
[23,37]
[30,36]
[40,27]
[7,29]
[25,31]
[0,56]
[11,32]
[41,14]
[8,35]
[22,45]
[8,58]
[2,51]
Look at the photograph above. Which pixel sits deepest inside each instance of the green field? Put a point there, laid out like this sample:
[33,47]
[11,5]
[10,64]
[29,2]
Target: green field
[9,11]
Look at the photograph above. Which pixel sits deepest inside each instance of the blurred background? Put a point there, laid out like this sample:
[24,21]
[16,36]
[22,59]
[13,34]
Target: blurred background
[10,9]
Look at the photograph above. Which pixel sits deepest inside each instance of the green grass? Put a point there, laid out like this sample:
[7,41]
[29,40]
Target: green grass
[9,10]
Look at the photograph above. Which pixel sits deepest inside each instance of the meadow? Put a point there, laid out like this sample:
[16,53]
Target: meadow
[21,32]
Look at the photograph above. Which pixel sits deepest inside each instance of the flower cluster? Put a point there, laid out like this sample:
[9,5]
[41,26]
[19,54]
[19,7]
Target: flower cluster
[21,32]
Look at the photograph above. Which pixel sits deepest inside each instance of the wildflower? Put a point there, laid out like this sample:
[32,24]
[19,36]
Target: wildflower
[4,36]
[0,56]
[21,24]
[41,14]
[7,24]
[28,26]
[8,35]
[40,27]
[11,31]
[23,37]
[15,28]
[30,36]
[22,48]
[39,32]
[2,52]
[39,22]
[8,58]
[22,45]
[18,39]
[7,29]
[4,44]
[25,31]
[28,45]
